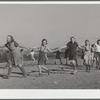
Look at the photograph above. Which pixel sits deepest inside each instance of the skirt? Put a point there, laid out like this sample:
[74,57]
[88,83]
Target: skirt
[17,57]
[9,56]
[72,56]
[42,58]
[87,58]
[97,55]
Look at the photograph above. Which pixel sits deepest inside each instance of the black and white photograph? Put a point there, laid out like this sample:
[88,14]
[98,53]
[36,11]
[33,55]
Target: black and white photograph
[50,46]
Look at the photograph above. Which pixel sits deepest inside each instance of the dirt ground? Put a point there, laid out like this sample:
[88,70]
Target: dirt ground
[58,78]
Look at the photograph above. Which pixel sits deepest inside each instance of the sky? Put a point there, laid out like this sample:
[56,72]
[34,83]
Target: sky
[29,24]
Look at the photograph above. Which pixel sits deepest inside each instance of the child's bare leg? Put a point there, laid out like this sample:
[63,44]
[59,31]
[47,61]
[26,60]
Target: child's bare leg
[55,61]
[97,64]
[40,70]
[86,68]
[33,60]
[9,70]
[22,62]
[60,61]
[7,65]
[45,69]
[22,70]
[89,68]
[76,62]
[92,62]
[74,66]
[66,62]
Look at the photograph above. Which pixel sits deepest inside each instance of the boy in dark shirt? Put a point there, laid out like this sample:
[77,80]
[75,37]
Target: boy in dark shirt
[72,46]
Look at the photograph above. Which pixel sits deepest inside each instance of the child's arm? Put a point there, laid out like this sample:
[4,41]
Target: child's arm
[59,48]
[62,47]
[35,48]
[28,54]
[22,47]
[49,49]
[81,47]
[52,50]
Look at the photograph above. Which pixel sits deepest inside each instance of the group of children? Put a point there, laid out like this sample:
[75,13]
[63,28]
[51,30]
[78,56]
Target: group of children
[91,53]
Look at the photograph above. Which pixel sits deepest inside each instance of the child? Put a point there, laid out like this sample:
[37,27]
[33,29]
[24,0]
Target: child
[58,53]
[87,55]
[32,56]
[72,46]
[72,51]
[98,54]
[43,49]
[93,57]
[22,55]
[16,55]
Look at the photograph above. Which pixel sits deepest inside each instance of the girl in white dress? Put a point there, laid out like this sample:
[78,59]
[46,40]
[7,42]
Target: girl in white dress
[93,57]
[87,55]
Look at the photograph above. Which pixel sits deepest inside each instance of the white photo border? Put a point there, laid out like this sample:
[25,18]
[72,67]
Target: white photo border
[49,93]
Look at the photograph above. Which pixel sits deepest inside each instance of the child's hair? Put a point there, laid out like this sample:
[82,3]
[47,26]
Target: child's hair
[93,45]
[87,41]
[32,50]
[72,37]
[44,40]
[98,41]
[21,50]
[12,39]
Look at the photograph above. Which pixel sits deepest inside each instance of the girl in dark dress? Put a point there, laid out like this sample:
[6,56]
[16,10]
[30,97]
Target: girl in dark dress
[43,49]
[93,54]
[72,46]
[15,55]
[58,56]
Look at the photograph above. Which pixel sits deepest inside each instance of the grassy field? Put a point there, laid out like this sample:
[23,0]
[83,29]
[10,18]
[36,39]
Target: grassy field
[58,78]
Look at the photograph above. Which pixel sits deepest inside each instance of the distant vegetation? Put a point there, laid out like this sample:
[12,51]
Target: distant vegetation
[25,57]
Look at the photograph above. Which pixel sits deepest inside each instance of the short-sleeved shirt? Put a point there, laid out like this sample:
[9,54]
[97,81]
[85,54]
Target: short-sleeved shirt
[32,53]
[72,47]
[97,48]
[11,46]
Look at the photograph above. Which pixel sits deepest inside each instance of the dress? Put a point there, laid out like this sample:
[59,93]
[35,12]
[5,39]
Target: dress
[72,49]
[42,55]
[87,55]
[9,57]
[16,54]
